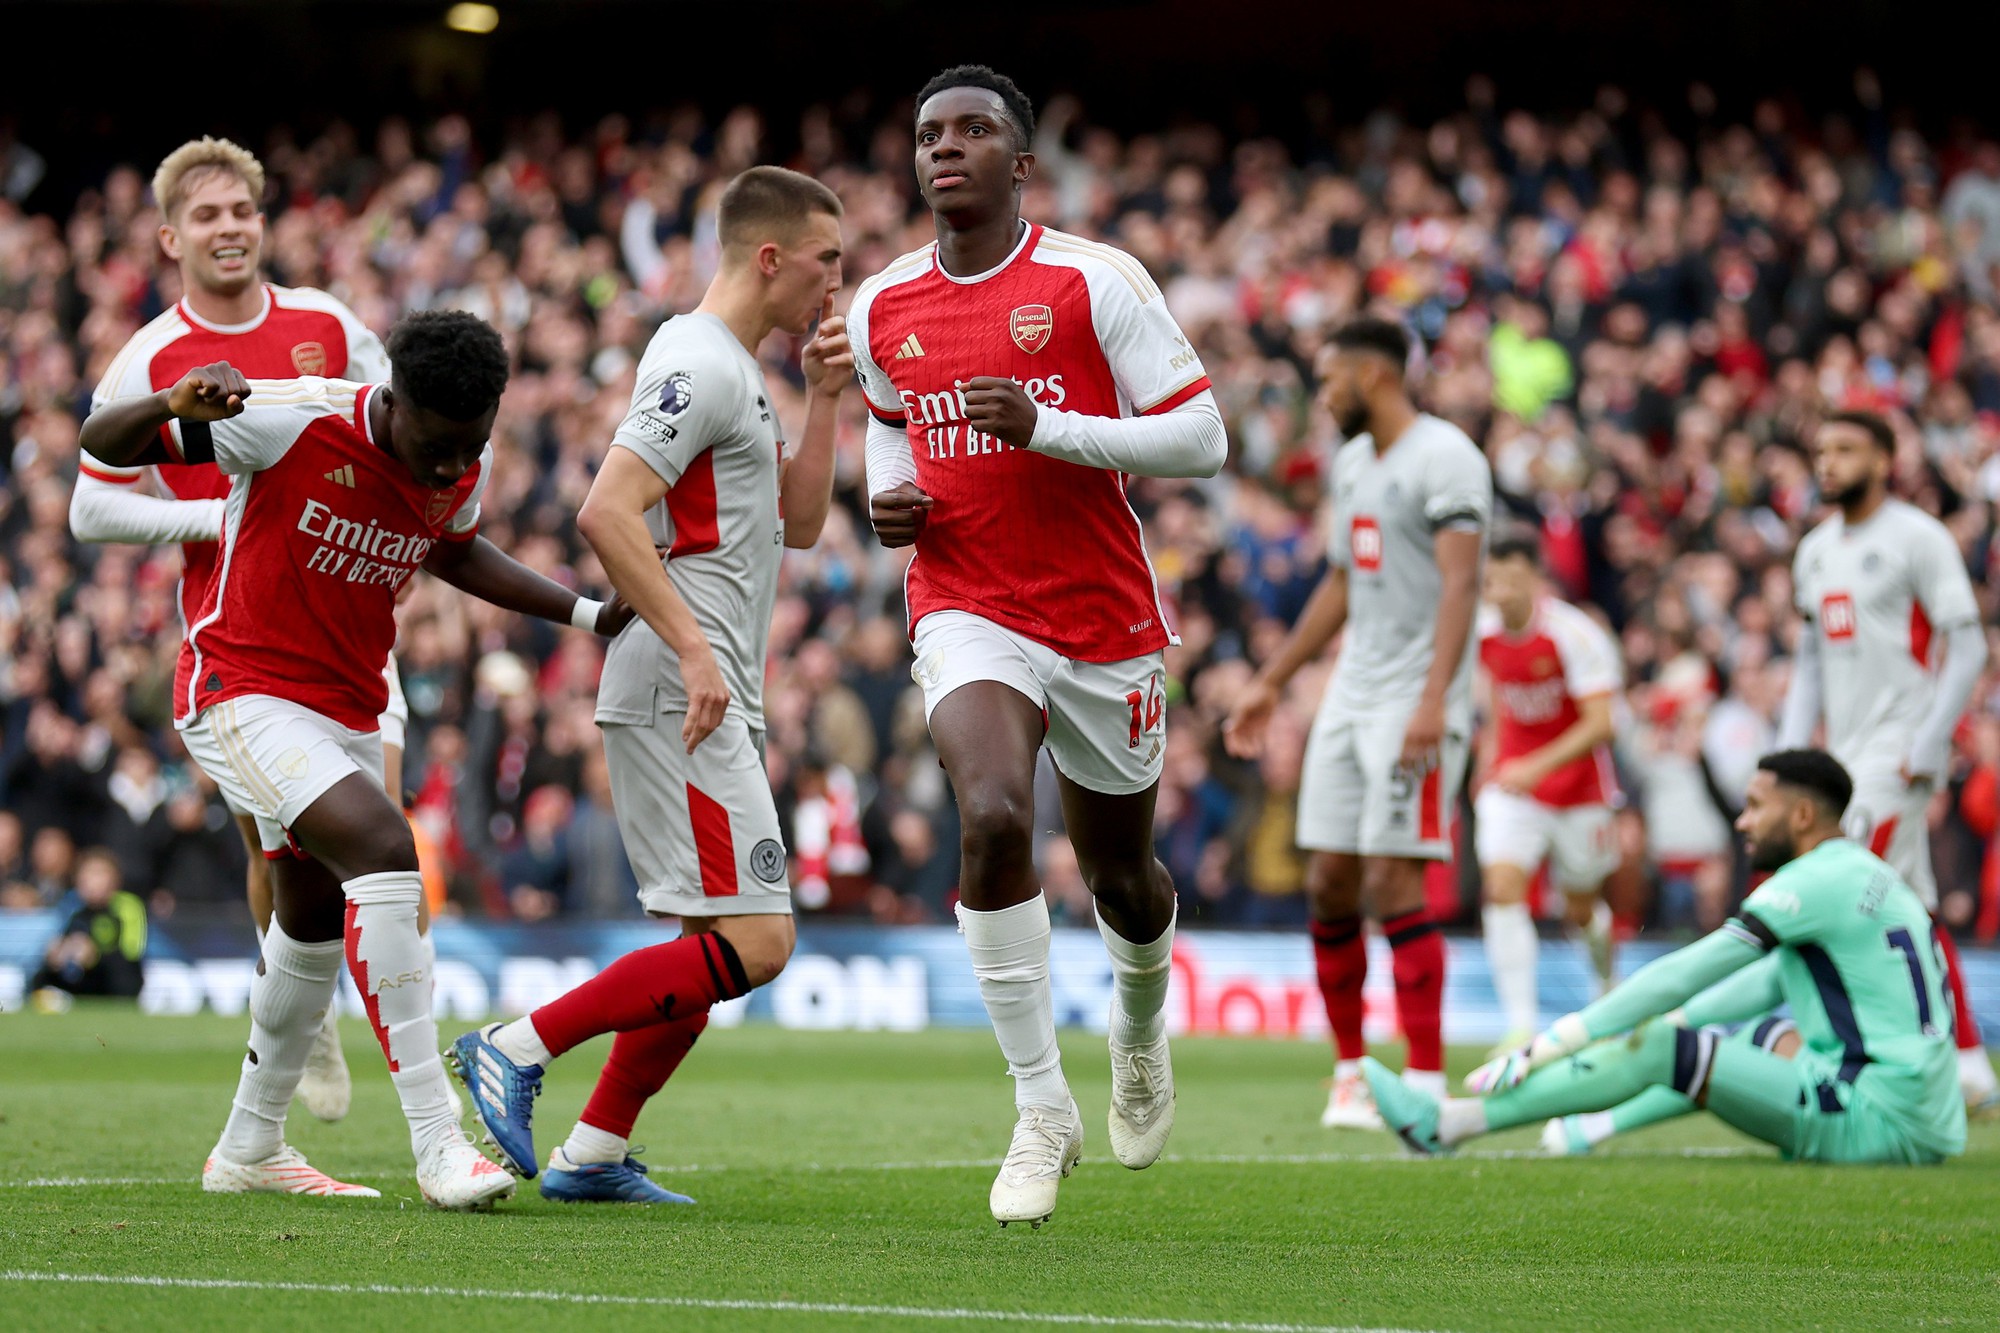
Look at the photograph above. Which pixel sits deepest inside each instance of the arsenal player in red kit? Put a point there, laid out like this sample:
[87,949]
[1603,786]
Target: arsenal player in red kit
[1016,376]
[339,493]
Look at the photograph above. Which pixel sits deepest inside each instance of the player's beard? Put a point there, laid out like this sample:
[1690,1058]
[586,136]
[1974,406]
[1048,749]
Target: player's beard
[1850,495]
[1353,421]
[1774,852]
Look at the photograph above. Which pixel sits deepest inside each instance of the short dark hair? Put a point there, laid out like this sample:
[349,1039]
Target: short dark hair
[1371,333]
[1020,111]
[770,203]
[450,362]
[1871,422]
[1814,772]
[1516,543]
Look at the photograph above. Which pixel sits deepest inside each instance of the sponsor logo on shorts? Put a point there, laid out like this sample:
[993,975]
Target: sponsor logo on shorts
[293,763]
[928,670]
[767,861]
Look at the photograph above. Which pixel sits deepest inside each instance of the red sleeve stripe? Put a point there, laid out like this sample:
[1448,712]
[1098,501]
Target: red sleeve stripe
[899,421]
[115,478]
[172,443]
[1177,397]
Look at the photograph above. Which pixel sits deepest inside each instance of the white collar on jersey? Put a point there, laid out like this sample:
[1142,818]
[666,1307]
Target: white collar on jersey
[1027,230]
[188,314]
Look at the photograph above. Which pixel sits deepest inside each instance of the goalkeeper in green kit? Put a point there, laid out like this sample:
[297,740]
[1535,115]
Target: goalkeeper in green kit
[1850,949]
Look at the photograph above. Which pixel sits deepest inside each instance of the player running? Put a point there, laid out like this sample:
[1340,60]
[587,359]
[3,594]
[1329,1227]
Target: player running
[1857,959]
[1411,500]
[212,227]
[1551,674]
[340,492]
[1016,375]
[699,468]
[1881,584]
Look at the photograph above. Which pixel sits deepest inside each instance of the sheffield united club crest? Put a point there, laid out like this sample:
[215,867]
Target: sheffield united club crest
[309,358]
[1031,326]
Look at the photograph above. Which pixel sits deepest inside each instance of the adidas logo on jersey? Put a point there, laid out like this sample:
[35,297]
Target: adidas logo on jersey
[343,475]
[911,347]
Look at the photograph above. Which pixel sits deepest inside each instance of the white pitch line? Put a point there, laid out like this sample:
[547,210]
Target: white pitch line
[694,1303]
[970,1163]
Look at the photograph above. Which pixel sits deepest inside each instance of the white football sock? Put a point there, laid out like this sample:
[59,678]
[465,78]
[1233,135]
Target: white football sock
[1596,1126]
[1460,1118]
[1010,956]
[289,1000]
[519,1042]
[1596,941]
[1426,1080]
[1511,949]
[1975,1071]
[1139,974]
[388,960]
[588,1143]
[1346,1069]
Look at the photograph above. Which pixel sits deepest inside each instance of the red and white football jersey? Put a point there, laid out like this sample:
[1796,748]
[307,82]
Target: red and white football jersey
[1049,549]
[301,331]
[1537,677]
[323,526]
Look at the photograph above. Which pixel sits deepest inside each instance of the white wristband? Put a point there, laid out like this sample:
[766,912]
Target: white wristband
[584,614]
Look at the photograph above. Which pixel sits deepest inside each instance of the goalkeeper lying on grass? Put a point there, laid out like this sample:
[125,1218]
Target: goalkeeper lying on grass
[1853,952]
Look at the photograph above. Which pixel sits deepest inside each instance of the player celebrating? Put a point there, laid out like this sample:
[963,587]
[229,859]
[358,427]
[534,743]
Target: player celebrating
[340,492]
[1411,500]
[1551,674]
[697,467]
[1858,961]
[1880,584]
[1015,375]
[212,227]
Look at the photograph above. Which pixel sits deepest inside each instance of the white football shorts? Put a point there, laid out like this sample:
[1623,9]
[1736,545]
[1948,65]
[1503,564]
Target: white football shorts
[1579,842]
[1892,819]
[1106,721]
[273,758]
[701,829]
[1355,795]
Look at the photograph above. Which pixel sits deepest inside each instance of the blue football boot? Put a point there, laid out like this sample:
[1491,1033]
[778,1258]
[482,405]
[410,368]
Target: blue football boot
[603,1182]
[503,1094]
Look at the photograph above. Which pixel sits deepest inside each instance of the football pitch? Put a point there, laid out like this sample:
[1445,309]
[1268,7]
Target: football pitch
[842,1183]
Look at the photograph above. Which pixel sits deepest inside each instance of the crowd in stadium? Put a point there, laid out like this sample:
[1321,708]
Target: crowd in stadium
[1636,321]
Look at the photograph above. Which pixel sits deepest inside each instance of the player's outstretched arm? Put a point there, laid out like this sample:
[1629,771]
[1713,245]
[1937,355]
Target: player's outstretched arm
[613,521]
[806,484]
[478,567]
[126,432]
[118,511]
[1653,990]
[1324,616]
[1800,715]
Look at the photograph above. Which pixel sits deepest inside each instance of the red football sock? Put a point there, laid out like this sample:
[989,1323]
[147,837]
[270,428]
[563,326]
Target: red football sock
[1418,951]
[1967,1021]
[645,988]
[1340,956]
[641,1062]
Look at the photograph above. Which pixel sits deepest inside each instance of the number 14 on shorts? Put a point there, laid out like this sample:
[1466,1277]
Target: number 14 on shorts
[1149,709]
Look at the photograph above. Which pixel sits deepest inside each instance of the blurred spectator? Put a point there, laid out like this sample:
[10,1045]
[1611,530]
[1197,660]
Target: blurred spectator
[536,871]
[98,948]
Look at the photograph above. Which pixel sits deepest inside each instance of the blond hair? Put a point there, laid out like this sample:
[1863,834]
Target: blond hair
[770,204]
[200,157]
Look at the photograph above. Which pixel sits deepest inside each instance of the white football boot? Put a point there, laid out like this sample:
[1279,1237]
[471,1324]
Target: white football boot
[1350,1106]
[285,1171]
[1142,1101]
[1977,1084]
[456,1176]
[1047,1145]
[327,1089]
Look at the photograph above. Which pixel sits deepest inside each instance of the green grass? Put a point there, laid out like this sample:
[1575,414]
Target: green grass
[791,1132]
